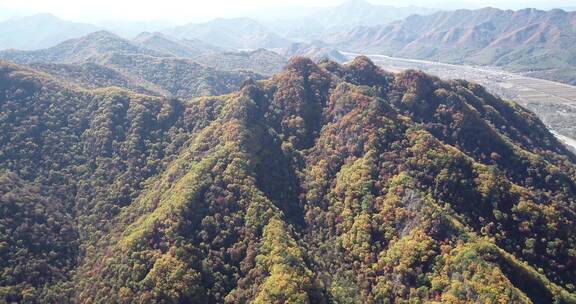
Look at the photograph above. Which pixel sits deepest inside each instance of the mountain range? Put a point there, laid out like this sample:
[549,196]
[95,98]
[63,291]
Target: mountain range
[324,183]
[237,33]
[261,31]
[315,24]
[213,163]
[537,42]
[362,13]
[148,65]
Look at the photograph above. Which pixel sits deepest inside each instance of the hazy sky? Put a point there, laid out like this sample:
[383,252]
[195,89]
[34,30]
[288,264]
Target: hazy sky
[180,10]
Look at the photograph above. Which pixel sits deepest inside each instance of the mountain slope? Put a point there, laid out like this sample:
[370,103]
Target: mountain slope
[323,183]
[315,50]
[179,48]
[527,40]
[40,31]
[93,75]
[260,61]
[179,77]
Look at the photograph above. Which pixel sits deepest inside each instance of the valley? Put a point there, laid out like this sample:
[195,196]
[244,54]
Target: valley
[553,102]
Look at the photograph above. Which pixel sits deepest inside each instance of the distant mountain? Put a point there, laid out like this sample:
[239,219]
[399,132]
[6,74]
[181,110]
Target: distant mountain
[160,76]
[169,45]
[179,77]
[361,13]
[261,61]
[237,33]
[9,12]
[40,31]
[91,47]
[103,59]
[131,29]
[314,50]
[528,40]
[320,22]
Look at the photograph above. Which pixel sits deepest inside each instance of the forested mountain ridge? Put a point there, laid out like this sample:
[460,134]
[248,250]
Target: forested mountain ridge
[91,48]
[261,61]
[102,59]
[93,75]
[325,183]
[179,77]
[527,40]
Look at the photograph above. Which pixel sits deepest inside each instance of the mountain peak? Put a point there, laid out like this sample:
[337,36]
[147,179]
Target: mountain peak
[363,61]
[301,64]
[150,35]
[363,70]
[101,34]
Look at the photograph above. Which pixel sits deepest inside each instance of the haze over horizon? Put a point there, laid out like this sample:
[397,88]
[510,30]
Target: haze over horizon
[173,11]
